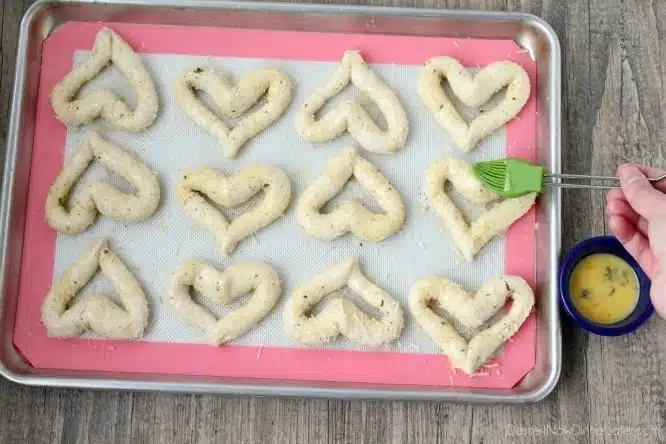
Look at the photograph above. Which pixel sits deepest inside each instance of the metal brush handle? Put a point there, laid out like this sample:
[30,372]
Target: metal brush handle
[590,178]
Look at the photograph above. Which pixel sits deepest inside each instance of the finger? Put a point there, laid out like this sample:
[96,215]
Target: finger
[621,228]
[621,207]
[615,194]
[653,172]
[634,242]
[641,195]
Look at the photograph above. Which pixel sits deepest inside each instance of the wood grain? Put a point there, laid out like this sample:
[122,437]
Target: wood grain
[614,74]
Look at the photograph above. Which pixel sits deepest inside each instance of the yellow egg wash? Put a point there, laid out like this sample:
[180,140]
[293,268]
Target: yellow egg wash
[604,288]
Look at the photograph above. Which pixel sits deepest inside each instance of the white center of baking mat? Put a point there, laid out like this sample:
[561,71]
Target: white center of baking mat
[154,248]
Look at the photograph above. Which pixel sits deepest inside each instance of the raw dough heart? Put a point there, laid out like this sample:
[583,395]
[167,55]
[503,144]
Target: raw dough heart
[108,48]
[99,196]
[351,216]
[233,101]
[473,91]
[230,192]
[470,238]
[472,311]
[350,115]
[96,313]
[224,287]
[340,315]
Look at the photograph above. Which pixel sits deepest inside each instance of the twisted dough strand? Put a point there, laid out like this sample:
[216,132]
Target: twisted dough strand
[224,287]
[97,313]
[350,115]
[108,48]
[94,197]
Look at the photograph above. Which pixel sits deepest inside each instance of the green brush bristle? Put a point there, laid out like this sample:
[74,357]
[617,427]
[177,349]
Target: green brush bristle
[492,173]
[510,177]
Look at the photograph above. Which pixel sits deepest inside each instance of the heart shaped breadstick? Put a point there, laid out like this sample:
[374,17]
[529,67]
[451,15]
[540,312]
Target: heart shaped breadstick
[233,101]
[224,287]
[470,238]
[230,192]
[99,196]
[97,313]
[472,311]
[108,48]
[340,315]
[350,115]
[473,91]
[351,216]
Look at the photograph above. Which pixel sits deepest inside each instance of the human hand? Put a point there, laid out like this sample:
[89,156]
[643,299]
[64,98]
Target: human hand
[637,218]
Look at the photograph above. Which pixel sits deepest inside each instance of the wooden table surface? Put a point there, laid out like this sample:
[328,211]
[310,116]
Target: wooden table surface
[611,390]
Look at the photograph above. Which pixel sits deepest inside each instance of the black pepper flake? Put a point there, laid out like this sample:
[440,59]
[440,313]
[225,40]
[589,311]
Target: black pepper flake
[610,273]
[625,278]
[382,304]
[198,70]
[585,293]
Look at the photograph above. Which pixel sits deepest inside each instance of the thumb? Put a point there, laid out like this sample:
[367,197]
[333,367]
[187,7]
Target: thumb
[641,195]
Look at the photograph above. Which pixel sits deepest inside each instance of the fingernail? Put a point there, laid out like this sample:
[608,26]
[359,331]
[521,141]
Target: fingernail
[629,174]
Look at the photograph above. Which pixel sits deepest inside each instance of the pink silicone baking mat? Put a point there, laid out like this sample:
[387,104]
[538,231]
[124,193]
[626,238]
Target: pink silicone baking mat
[243,361]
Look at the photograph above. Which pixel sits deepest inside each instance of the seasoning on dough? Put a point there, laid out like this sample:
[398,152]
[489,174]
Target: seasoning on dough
[94,197]
[66,319]
[472,311]
[340,316]
[473,91]
[471,237]
[233,101]
[224,287]
[108,48]
[199,184]
[350,115]
[351,216]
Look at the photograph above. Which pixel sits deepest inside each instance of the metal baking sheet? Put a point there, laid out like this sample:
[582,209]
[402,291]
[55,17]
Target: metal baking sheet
[528,31]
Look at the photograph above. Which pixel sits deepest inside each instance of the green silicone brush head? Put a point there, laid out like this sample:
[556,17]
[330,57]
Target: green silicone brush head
[510,177]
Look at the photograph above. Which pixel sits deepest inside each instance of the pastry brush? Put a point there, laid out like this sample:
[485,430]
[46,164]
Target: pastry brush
[513,177]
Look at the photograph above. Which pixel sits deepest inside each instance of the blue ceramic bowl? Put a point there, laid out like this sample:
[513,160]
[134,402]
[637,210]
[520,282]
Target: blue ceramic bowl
[605,244]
